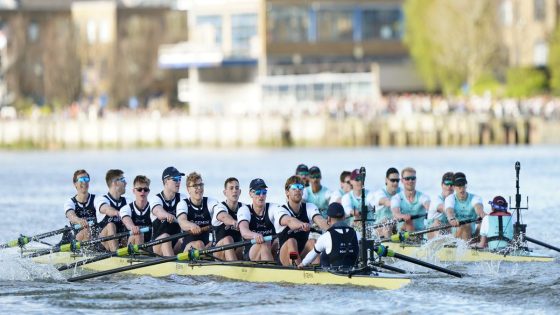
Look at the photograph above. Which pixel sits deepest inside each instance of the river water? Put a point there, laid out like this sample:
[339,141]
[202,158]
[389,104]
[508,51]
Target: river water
[34,186]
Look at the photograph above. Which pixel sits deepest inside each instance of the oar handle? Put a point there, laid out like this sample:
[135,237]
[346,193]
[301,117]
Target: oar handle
[194,254]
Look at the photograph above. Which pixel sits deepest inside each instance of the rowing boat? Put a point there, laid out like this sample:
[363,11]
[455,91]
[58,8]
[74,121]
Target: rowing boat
[451,253]
[243,271]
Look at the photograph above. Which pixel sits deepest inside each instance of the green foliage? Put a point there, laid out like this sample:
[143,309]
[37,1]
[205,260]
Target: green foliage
[524,82]
[487,83]
[554,61]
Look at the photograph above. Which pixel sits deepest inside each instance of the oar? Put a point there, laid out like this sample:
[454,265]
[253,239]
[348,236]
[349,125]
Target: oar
[401,236]
[192,254]
[391,268]
[532,240]
[384,251]
[124,251]
[77,245]
[391,222]
[23,240]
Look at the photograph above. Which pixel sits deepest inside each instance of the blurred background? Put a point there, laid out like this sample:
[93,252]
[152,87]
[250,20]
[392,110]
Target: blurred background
[221,73]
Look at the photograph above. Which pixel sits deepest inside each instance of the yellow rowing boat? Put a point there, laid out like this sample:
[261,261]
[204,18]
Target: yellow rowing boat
[243,271]
[454,254]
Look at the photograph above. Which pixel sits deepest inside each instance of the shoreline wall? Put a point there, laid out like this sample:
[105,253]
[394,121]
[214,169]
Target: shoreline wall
[234,131]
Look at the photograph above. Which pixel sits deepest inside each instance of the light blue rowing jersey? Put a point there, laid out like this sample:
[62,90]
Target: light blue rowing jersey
[356,203]
[383,212]
[320,199]
[464,210]
[412,208]
[500,231]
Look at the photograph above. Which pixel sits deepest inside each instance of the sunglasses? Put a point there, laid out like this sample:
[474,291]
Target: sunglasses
[358,178]
[122,180]
[176,178]
[82,179]
[448,183]
[142,189]
[409,178]
[302,173]
[394,180]
[260,192]
[197,186]
[296,186]
[315,176]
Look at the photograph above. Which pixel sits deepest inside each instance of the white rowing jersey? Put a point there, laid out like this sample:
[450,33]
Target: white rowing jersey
[183,207]
[107,199]
[275,213]
[167,205]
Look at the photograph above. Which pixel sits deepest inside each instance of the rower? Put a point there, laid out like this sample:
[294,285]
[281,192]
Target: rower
[163,209]
[316,193]
[382,202]
[80,209]
[302,171]
[256,221]
[137,214]
[352,201]
[339,246]
[108,207]
[295,220]
[345,187]
[225,221]
[463,205]
[496,229]
[409,202]
[437,216]
[195,213]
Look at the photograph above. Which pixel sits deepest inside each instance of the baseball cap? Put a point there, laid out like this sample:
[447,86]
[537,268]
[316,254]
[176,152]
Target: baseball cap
[447,177]
[257,183]
[355,174]
[171,172]
[335,210]
[499,203]
[459,179]
[302,169]
[314,170]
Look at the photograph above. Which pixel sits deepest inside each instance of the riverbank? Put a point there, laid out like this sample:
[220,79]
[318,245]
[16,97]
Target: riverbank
[273,131]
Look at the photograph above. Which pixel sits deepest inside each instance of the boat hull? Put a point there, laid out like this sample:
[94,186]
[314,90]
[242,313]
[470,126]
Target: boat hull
[242,271]
[453,254]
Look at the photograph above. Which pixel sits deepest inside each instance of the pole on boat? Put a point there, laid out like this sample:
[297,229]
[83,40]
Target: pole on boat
[77,245]
[192,254]
[363,217]
[123,251]
[384,251]
[23,240]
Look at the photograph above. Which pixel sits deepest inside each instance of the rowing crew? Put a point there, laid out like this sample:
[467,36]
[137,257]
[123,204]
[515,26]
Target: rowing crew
[170,212]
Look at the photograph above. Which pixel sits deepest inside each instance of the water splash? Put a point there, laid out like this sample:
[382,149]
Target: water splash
[16,268]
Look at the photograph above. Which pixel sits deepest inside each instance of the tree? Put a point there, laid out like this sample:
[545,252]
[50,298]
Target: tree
[453,42]
[554,61]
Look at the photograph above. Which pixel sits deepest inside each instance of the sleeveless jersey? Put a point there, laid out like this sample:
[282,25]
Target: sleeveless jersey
[160,227]
[464,210]
[319,199]
[117,205]
[261,224]
[199,215]
[222,230]
[301,237]
[85,210]
[345,248]
[412,208]
[383,212]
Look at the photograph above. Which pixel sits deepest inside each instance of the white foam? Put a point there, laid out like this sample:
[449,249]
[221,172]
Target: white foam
[16,268]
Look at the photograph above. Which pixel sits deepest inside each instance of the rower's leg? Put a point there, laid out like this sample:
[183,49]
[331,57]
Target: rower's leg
[309,247]
[195,244]
[289,246]
[109,230]
[83,235]
[229,254]
[164,249]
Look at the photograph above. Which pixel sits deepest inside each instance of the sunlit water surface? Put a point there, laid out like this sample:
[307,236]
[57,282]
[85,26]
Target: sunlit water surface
[34,186]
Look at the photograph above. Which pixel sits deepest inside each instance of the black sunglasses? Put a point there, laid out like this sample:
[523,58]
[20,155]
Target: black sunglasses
[394,180]
[142,189]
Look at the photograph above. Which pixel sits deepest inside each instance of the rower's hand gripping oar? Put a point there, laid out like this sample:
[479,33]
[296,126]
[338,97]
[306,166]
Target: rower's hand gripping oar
[402,236]
[75,246]
[23,240]
[192,254]
[384,251]
[124,251]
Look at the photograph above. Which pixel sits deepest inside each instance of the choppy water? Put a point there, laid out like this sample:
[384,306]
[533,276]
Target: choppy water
[34,186]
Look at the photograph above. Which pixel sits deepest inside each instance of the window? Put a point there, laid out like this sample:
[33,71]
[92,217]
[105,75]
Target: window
[33,31]
[213,21]
[381,24]
[539,10]
[540,53]
[506,13]
[91,30]
[243,29]
[335,25]
[287,24]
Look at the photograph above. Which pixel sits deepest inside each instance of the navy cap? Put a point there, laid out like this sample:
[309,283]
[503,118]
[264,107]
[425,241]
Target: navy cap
[459,179]
[257,183]
[335,210]
[171,172]
[314,170]
[302,168]
[499,204]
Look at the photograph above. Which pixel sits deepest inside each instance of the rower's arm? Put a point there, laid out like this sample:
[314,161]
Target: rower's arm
[185,224]
[321,222]
[226,218]
[160,213]
[479,210]
[108,210]
[291,222]
[73,218]
[245,232]
[127,221]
